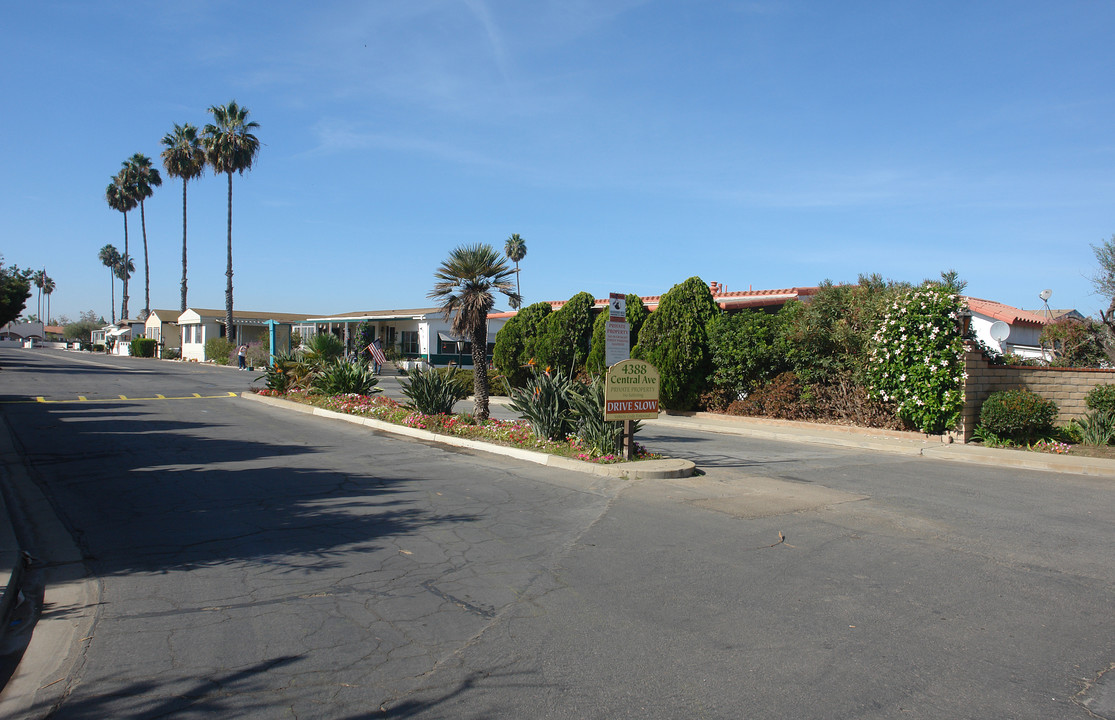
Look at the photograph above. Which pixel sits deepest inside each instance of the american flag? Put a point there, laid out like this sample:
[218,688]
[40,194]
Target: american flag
[377,354]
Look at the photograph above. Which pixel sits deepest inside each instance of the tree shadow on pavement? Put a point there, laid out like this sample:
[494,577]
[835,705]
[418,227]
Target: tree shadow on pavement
[230,693]
[142,493]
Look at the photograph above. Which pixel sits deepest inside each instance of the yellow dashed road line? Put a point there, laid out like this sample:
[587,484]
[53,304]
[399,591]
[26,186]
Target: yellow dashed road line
[82,398]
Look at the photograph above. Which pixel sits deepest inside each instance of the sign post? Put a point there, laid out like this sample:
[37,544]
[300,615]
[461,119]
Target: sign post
[631,393]
[617,333]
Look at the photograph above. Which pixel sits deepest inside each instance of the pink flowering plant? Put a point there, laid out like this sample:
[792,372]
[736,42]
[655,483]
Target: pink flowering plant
[515,433]
[917,359]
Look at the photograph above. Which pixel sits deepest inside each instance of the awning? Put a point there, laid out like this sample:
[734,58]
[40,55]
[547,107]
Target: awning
[445,337]
[119,331]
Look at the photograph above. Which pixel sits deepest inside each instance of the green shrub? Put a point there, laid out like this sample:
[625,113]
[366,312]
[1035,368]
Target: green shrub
[143,347]
[98,347]
[259,354]
[434,392]
[325,347]
[219,350]
[545,402]
[1072,433]
[1074,343]
[917,362]
[832,333]
[341,377]
[172,353]
[517,341]
[1101,397]
[1017,414]
[748,349]
[565,339]
[674,339]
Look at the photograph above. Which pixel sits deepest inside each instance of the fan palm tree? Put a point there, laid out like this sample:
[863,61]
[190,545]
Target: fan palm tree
[143,178]
[120,198]
[48,290]
[464,286]
[515,249]
[124,269]
[38,279]
[110,258]
[230,147]
[183,158]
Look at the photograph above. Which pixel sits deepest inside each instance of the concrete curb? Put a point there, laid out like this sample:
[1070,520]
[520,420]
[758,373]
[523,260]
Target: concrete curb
[642,470]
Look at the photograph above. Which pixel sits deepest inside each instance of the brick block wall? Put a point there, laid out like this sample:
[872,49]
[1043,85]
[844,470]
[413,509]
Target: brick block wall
[1065,386]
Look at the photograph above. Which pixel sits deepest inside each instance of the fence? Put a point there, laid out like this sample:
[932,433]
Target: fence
[1065,386]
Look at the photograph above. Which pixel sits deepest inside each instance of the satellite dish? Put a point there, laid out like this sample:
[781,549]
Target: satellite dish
[1045,295]
[999,331]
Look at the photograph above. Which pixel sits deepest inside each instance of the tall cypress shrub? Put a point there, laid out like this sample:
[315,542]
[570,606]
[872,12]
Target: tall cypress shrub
[565,341]
[517,342]
[674,339]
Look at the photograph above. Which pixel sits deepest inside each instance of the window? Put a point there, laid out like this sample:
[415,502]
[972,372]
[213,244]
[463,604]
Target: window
[187,334]
[409,342]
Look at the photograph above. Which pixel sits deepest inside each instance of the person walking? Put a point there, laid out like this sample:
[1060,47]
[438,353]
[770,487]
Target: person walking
[242,357]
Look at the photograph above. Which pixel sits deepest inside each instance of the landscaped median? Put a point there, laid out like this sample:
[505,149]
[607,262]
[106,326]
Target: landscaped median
[640,469]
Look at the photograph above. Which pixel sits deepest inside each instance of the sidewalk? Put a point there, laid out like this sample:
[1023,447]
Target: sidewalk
[891,441]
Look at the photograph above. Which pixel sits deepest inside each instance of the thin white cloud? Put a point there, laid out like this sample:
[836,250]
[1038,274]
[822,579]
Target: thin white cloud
[335,138]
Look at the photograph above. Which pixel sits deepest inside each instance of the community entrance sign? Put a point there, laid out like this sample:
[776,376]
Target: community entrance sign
[631,393]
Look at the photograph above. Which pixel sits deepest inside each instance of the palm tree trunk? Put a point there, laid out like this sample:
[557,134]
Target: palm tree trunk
[146,267]
[518,288]
[480,371]
[183,244]
[124,299]
[230,331]
[112,292]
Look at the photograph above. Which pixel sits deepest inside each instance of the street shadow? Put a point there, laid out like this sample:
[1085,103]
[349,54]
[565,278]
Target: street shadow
[233,693]
[144,493]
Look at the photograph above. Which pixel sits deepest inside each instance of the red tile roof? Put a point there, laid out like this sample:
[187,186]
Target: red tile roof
[737,299]
[1006,313]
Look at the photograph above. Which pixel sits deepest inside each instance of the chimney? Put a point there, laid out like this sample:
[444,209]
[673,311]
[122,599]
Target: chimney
[714,288]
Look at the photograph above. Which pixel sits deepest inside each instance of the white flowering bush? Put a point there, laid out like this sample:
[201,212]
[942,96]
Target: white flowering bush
[917,360]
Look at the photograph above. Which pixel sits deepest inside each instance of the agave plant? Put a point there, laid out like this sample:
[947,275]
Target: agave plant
[339,377]
[545,402]
[599,436]
[288,372]
[432,391]
[1098,427]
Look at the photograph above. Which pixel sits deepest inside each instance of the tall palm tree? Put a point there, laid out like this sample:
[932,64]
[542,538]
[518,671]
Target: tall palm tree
[38,279]
[464,286]
[48,290]
[110,258]
[124,270]
[183,158]
[143,178]
[515,249]
[120,198]
[230,147]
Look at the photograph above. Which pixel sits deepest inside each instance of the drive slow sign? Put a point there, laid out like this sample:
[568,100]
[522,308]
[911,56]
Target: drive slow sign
[631,392]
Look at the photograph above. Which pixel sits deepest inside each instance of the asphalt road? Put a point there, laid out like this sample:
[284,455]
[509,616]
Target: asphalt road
[250,563]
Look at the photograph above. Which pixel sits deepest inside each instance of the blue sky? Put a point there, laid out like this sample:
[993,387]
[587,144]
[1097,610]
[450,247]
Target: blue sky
[632,144]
